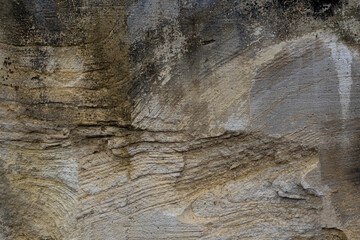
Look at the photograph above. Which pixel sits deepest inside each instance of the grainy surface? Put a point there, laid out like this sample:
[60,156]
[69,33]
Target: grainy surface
[179,119]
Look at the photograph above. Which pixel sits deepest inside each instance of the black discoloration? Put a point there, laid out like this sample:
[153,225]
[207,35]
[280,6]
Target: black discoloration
[333,234]
[43,23]
[206,42]
[287,3]
[40,61]
[324,7]
[355,175]
[141,54]
[142,83]
[37,18]
[319,8]
[7,63]
[339,156]
[22,15]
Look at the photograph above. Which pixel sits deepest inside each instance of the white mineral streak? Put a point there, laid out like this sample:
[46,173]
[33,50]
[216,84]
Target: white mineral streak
[343,59]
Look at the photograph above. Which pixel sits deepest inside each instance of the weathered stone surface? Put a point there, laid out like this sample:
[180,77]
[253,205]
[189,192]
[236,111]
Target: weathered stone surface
[184,119]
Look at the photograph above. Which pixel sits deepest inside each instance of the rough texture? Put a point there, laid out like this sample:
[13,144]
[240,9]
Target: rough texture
[179,119]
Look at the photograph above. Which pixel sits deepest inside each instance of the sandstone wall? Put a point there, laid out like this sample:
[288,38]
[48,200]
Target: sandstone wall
[179,119]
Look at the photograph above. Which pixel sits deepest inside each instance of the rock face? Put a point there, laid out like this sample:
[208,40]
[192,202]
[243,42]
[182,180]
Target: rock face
[179,119]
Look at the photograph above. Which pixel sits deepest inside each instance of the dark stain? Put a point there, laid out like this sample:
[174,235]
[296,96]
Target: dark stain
[324,8]
[7,62]
[333,234]
[207,42]
[319,8]
[43,22]
[355,176]
[141,54]
[22,15]
[36,78]
[142,83]
[39,61]
[286,3]
[37,18]
[340,165]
